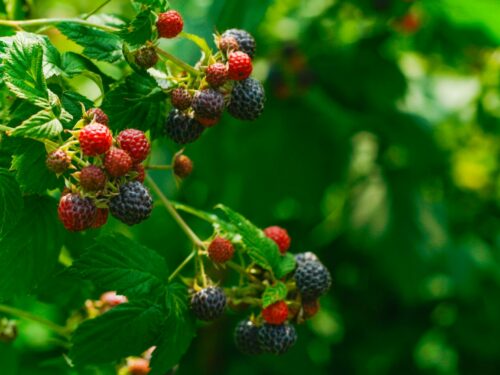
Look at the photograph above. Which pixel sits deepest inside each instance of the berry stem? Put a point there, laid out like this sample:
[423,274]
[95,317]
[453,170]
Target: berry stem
[202,272]
[99,7]
[26,315]
[53,22]
[182,265]
[176,61]
[6,129]
[199,214]
[175,215]
[158,167]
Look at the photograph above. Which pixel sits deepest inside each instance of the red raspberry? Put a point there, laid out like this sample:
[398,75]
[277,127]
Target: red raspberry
[135,143]
[276,313]
[96,115]
[101,217]
[75,212]
[169,24]
[216,74]
[220,250]
[95,139]
[138,366]
[240,66]
[181,98]
[141,172]
[92,178]
[310,308]
[280,236]
[58,161]
[117,162]
[183,166]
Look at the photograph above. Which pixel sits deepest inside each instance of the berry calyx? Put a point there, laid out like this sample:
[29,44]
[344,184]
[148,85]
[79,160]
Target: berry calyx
[75,212]
[209,303]
[8,330]
[216,74]
[247,100]
[96,115]
[183,166]
[95,139]
[277,313]
[135,143]
[279,236]
[246,338]
[133,204]
[169,24]
[101,217]
[92,178]
[181,98]
[208,104]
[117,162]
[239,66]
[138,366]
[146,57]
[220,250]
[182,128]
[277,339]
[58,161]
[244,40]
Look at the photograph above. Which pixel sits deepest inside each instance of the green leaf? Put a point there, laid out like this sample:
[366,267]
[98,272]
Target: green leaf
[261,249]
[286,265]
[139,102]
[97,44]
[43,124]
[178,331]
[11,201]
[125,330]
[118,263]
[75,65]
[156,4]
[22,69]
[139,30]
[31,172]
[274,294]
[29,251]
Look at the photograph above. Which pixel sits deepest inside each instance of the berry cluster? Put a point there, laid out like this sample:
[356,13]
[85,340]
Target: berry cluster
[106,174]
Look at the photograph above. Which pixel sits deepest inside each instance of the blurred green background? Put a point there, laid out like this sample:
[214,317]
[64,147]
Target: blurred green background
[378,150]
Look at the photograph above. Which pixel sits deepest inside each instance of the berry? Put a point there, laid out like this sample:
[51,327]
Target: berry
[239,66]
[75,212]
[245,40]
[246,338]
[247,100]
[208,104]
[209,303]
[117,162]
[96,115]
[169,24]
[141,172]
[112,299]
[313,279]
[92,178]
[58,161]
[181,98]
[220,250]
[310,308]
[183,166]
[216,74]
[306,257]
[135,143]
[138,366]
[277,313]
[101,217]
[277,339]
[95,139]
[280,236]
[207,122]
[182,128]
[228,44]
[133,205]
[146,57]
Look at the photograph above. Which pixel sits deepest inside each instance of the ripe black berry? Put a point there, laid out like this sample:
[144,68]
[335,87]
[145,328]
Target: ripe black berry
[246,338]
[246,41]
[182,128]
[208,103]
[313,279]
[209,303]
[247,100]
[277,339]
[133,204]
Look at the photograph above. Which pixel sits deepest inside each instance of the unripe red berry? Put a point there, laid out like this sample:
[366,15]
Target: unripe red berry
[141,172]
[96,115]
[220,250]
[146,57]
[216,74]
[117,162]
[277,313]
[280,236]
[310,308]
[181,98]
[169,24]
[135,143]
[183,166]
[228,44]
[95,139]
[58,161]
[239,66]
[92,178]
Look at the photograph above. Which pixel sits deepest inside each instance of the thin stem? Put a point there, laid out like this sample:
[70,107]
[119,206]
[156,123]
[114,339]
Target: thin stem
[4,128]
[182,265]
[236,267]
[53,22]
[202,272]
[26,315]
[159,167]
[99,7]
[175,215]
[202,215]
[177,61]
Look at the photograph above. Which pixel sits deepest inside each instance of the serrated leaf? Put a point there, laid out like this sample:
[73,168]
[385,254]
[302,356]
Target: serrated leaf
[139,30]
[156,4]
[274,293]
[11,201]
[176,299]
[137,102]
[261,249]
[74,65]
[29,251]
[31,172]
[41,125]
[286,265]
[97,44]
[71,101]
[118,263]
[127,329]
